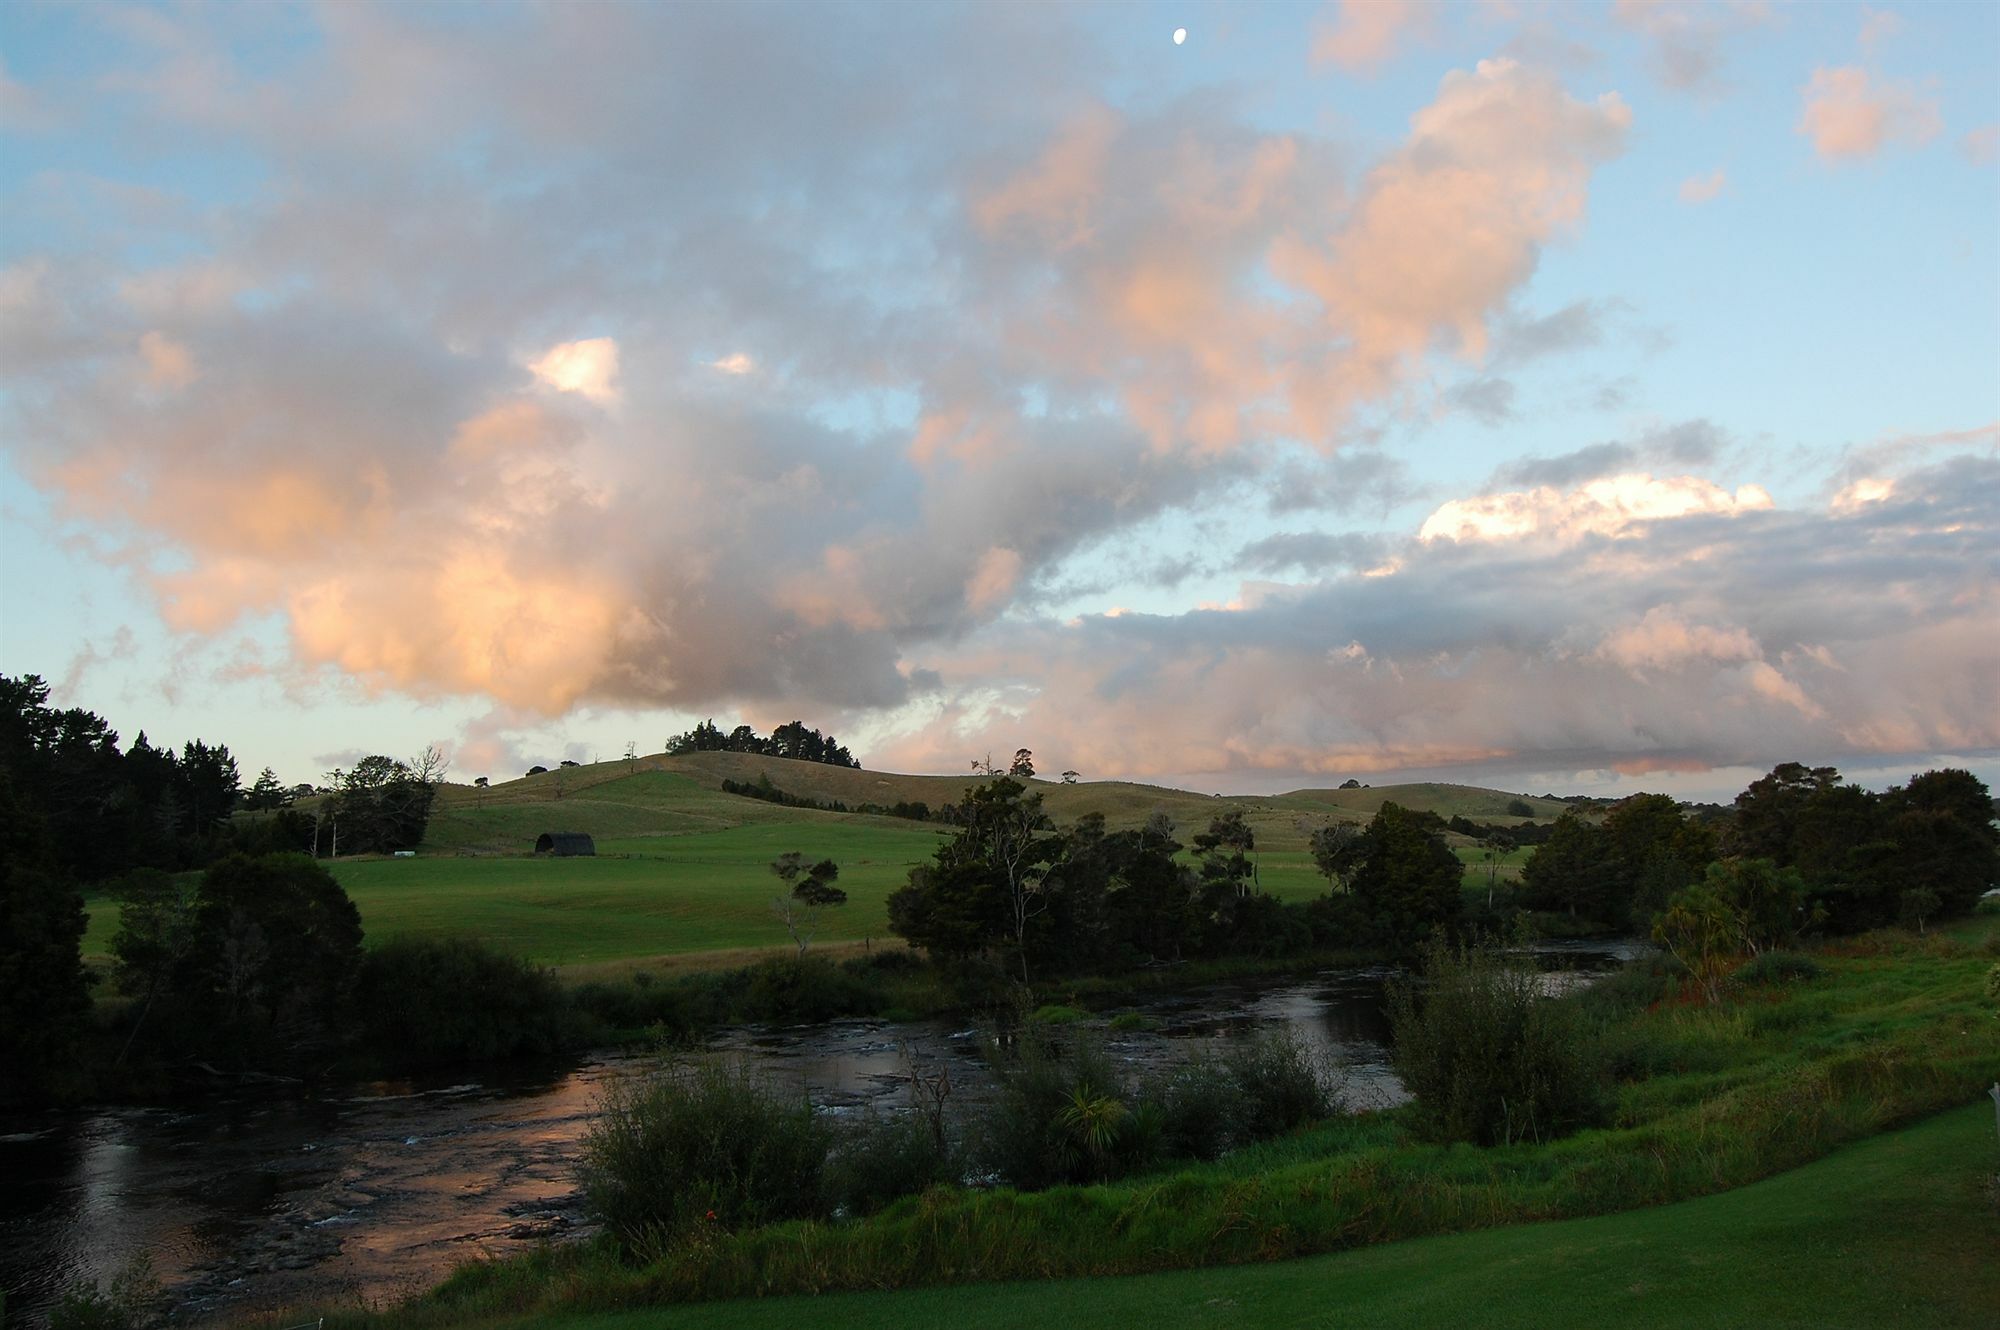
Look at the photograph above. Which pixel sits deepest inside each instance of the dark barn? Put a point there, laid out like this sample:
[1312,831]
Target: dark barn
[565,844]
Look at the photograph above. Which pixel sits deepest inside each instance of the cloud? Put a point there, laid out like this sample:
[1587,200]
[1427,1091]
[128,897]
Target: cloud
[1981,146]
[1314,551]
[1702,189]
[1662,639]
[1496,167]
[588,368]
[737,363]
[168,364]
[1709,639]
[1690,443]
[1490,400]
[1877,27]
[1689,37]
[1364,34]
[1616,507]
[1849,114]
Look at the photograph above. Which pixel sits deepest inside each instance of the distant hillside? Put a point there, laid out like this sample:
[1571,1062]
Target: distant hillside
[665,796]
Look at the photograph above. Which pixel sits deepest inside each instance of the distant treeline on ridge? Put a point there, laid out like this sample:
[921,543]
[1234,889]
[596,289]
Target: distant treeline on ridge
[794,741]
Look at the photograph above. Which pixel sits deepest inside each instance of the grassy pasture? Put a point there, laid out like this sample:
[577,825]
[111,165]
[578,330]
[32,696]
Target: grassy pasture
[644,895]
[683,867]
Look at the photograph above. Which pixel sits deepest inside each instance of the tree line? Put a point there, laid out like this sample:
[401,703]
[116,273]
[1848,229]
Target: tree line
[1010,886]
[78,810]
[792,740]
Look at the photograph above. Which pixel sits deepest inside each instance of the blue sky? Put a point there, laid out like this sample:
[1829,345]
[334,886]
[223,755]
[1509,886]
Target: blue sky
[1556,396]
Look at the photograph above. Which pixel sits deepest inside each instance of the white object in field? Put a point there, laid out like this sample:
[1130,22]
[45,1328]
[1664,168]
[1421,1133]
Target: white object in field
[406,854]
[1180,35]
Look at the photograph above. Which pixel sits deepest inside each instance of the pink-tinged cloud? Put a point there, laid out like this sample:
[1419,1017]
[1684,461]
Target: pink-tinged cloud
[588,368]
[1446,229]
[1364,34]
[1849,114]
[1698,189]
[1664,640]
[1981,146]
[167,363]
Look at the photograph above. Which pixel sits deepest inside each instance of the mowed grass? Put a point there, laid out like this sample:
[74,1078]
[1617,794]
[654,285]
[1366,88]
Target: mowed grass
[643,896]
[1899,1230]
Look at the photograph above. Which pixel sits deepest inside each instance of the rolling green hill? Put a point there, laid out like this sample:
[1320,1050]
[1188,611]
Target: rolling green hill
[682,868]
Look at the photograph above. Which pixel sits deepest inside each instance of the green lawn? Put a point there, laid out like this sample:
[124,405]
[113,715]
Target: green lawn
[660,895]
[1899,1230]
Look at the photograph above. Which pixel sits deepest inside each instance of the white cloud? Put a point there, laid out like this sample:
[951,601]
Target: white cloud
[1615,506]
[589,368]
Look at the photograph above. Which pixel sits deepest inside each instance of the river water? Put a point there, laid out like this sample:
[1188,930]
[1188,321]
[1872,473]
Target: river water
[269,1200]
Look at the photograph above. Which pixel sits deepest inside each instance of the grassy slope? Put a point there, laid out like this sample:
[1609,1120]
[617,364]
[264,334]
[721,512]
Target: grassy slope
[683,867]
[1901,1229]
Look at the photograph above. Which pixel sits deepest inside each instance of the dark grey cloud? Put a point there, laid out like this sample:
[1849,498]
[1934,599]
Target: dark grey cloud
[1352,480]
[1489,399]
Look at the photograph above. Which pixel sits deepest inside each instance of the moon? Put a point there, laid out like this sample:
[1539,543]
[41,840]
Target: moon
[1180,35]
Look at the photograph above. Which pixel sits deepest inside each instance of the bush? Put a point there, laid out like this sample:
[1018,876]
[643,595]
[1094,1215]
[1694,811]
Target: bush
[1781,967]
[700,1142]
[1060,1116]
[1281,1085]
[429,1001]
[883,1158]
[1487,1057]
[806,988]
[1197,1106]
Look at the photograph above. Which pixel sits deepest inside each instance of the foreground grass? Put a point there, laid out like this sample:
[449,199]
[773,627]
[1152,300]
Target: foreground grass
[1902,1229]
[1708,1099]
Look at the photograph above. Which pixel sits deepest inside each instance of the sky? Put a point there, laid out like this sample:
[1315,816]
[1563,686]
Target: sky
[1559,397]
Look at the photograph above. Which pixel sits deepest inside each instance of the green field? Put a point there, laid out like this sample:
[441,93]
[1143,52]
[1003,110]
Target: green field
[683,867]
[1899,1230]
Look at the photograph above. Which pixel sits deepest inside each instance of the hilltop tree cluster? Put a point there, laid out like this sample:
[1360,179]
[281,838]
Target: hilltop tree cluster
[792,740]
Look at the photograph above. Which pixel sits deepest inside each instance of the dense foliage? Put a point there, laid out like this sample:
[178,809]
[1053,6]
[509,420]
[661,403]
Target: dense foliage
[254,968]
[109,810]
[1011,884]
[791,740]
[1487,1057]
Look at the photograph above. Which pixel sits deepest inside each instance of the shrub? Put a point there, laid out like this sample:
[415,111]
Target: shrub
[1781,967]
[701,1141]
[1197,1107]
[882,1158]
[806,988]
[427,1001]
[1280,1085]
[1487,1057]
[1057,1116]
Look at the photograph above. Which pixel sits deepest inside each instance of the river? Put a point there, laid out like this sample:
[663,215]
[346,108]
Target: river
[358,1196]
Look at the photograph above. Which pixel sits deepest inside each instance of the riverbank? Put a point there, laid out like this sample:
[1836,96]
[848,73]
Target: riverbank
[1873,1033]
[1807,1249]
